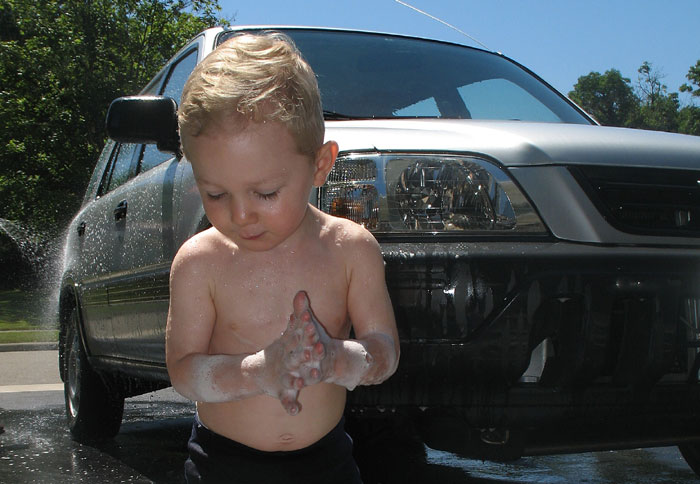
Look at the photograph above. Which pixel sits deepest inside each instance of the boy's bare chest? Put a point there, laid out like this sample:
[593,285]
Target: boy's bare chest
[253,299]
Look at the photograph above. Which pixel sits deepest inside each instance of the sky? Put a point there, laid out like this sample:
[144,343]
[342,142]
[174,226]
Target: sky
[560,40]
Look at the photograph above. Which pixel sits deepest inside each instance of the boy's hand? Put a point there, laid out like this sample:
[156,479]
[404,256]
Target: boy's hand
[318,358]
[330,360]
[305,355]
[293,361]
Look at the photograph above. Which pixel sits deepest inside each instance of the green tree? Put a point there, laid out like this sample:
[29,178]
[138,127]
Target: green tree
[689,120]
[693,76]
[608,97]
[61,63]
[689,116]
[658,108]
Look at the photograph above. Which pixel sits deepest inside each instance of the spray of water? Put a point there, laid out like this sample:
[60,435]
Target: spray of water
[29,243]
[41,255]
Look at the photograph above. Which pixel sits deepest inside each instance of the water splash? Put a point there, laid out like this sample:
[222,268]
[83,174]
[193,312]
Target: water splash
[39,259]
[29,242]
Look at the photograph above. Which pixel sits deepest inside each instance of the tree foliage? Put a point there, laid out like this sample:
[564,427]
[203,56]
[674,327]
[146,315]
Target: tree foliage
[689,116]
[613,101]
[693,76]
[61,63]
[608,97]
[658,110]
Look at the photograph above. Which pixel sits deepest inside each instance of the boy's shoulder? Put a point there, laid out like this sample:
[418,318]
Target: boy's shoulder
[345,233]
[201,248]
[355,245]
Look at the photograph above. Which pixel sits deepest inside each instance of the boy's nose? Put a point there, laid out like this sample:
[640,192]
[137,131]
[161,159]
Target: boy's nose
[242,213]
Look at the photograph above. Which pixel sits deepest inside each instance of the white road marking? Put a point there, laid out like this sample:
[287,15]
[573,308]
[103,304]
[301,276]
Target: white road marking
[42,387]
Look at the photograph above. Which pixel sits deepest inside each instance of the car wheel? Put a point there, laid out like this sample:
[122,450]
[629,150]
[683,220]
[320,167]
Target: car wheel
[691,454]
[94,410]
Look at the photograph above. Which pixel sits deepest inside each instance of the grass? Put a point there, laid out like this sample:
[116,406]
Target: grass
[37,336]
[16,325]
[22,317]
[22,306]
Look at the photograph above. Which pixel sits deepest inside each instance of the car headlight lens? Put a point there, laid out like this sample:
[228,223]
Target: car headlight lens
[427,193]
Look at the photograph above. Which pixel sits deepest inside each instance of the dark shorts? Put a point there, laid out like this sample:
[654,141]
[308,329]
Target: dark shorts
[214,458]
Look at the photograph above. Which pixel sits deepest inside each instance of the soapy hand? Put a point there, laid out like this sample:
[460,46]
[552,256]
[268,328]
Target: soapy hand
[305,355]
[293,361]
[317,363]
[343,362]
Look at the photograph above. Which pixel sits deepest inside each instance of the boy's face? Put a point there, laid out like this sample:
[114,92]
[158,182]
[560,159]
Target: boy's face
[254,183]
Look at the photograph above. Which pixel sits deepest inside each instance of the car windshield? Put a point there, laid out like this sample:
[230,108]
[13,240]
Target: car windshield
[366,75]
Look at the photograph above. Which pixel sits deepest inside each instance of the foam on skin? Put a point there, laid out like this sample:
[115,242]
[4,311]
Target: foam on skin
[343,362]
[280,370]
[303,355]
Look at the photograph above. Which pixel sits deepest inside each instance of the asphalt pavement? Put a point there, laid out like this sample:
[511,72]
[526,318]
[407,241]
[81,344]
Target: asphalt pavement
[28,368]
[36,446]
[150,448]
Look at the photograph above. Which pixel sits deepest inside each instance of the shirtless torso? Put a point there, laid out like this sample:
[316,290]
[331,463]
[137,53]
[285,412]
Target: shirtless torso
[239,302]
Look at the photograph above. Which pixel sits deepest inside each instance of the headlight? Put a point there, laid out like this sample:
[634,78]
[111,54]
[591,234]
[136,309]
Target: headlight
[427,193]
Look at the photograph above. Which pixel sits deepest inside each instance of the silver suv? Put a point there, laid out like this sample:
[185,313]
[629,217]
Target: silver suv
[544,270]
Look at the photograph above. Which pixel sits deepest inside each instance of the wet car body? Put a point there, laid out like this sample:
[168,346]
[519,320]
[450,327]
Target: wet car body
[563,322]
[582,338]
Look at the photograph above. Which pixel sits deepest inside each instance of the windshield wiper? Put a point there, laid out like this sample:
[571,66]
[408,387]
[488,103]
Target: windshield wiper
[333,116]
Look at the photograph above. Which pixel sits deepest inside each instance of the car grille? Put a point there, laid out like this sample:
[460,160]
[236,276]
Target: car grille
[648,201]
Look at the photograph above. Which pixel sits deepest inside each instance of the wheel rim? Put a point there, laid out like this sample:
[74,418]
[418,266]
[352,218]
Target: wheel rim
[73,384]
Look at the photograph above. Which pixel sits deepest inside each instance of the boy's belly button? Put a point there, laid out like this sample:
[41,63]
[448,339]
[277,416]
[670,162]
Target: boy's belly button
[286,438]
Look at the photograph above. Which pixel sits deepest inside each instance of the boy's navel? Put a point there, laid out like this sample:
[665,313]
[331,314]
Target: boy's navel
[286,438]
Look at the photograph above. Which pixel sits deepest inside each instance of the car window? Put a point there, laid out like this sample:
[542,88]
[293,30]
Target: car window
[365,75]
[503,99]
[153,87]
[179,74]
[173,88]
[426,107]
[98,174]
[119,170]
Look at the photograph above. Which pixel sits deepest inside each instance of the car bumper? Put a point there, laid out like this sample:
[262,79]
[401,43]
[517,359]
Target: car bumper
[525,333]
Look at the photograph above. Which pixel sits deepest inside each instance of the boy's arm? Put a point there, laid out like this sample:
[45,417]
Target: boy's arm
[199,376]
[373,356]
[371,313]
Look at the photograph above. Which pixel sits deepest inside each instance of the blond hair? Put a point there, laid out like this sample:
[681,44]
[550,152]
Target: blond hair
[262,77]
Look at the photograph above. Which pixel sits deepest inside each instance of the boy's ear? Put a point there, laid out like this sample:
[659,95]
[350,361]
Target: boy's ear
[325,157]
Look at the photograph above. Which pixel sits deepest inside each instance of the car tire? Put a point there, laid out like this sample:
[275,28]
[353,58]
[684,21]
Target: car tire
[94,410]
[691,454]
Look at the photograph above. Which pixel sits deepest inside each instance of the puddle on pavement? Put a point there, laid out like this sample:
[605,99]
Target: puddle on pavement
[151,448]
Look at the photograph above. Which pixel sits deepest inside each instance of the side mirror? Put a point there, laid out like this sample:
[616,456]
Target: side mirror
[145,119]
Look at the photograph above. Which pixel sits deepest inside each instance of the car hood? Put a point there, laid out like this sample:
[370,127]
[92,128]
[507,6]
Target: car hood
[516,143]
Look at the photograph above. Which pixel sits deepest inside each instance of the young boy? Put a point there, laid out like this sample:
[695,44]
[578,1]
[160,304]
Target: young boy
[270,388]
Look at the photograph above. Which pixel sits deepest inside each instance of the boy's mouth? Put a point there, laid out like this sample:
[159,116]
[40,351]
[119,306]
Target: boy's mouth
[250,237]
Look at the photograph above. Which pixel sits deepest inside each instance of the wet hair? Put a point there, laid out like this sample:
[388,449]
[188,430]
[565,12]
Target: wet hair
[255,77]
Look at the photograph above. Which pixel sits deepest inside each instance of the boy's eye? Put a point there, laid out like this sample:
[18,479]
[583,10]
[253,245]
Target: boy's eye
[214,196]
[267,196]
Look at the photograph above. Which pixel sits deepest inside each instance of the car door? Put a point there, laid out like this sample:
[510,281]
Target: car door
[139,291]
[101,231]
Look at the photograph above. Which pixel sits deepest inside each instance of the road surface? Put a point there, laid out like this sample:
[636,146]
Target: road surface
[150,448]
